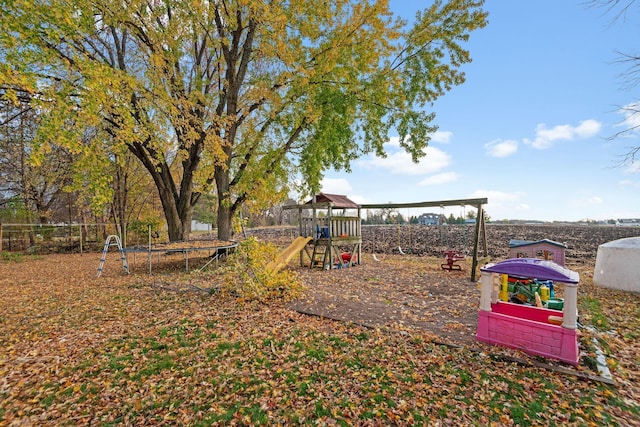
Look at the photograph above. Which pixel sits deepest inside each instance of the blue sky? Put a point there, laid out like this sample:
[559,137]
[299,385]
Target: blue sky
[529,129]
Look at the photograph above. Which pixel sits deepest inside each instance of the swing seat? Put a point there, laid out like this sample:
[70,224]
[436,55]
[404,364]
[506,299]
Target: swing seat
[451,258]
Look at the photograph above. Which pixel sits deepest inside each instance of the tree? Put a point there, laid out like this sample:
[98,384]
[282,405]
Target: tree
[631,77]
[37,187]
[242,95]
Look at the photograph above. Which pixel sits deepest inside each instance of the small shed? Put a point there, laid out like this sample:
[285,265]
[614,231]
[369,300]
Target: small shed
[545,249]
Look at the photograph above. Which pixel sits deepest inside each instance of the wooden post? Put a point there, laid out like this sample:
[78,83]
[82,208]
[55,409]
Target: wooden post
[359,234]
[314,223]
[484,235]
[300,234]
[330,237]
[474,263]
[0,238]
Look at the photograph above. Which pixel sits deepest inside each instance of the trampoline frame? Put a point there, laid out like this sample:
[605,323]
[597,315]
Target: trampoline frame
[185,250]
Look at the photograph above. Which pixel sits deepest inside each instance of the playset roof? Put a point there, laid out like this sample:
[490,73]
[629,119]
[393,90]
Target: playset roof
[334,200]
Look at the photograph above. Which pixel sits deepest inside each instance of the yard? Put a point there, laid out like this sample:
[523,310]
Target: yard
[389,342]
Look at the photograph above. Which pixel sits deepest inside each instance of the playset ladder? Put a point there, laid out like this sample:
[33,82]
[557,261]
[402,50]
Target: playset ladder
[107,244]
[319,256]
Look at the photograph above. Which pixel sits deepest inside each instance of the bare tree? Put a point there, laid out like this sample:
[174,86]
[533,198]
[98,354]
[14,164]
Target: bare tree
[38,187]
[620,10]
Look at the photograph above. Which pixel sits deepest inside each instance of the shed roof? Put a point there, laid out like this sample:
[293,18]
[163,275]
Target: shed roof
[513,243]
[335,200]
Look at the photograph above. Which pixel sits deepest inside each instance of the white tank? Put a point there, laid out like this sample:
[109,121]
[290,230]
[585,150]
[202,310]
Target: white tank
[618,265]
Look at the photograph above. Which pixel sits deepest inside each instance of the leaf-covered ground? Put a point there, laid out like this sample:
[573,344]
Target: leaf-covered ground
[397,291]
[155,350]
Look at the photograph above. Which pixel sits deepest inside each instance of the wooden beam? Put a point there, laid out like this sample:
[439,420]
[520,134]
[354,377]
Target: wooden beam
[457,202]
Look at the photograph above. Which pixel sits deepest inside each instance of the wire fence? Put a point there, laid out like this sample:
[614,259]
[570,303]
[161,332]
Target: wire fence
[61,238]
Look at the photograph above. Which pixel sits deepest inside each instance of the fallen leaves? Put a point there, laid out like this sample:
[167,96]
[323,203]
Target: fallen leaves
[79,351]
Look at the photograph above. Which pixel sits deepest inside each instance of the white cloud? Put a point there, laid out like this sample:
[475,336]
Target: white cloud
[588,128]
[361,200]
[594,200]
[584,201]
[335,186]
[545,138]
[632,167]
[443,137]
[627,183]
[441,178]
[344,187]
[500,148]
[502,204]
[631,116]
[399,162]
[394,141]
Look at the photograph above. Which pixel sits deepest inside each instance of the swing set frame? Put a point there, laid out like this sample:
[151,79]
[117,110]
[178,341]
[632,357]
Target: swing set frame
[480,228]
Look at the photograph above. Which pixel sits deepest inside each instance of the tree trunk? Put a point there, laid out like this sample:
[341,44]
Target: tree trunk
[178,225]
[177,205]
[225,230]
[174,225]
[186,216]
[120,194]
[225,211]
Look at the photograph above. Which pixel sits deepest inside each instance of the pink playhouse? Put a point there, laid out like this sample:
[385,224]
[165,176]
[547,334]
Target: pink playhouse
[531,329]
[544,249]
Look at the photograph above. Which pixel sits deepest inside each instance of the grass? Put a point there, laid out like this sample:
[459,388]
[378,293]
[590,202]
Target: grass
[12,256]
[594,313]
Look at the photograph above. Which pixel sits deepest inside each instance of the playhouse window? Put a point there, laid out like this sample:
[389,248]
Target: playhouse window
[546,254]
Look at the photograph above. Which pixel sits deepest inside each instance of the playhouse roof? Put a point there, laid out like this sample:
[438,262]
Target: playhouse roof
[534,268]
[334,200]
[513,243]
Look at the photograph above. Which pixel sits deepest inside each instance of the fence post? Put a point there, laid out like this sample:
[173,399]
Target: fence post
[80,230]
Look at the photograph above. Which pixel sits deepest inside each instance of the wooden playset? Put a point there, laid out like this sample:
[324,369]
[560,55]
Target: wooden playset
[334,225]
[333,229]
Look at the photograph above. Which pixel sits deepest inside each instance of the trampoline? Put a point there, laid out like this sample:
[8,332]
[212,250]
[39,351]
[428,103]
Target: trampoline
[216,249]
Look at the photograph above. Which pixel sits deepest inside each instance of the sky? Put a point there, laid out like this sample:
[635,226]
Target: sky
[530,128]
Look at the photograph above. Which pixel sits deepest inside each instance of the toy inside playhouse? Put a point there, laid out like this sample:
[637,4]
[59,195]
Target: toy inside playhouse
[519,308]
